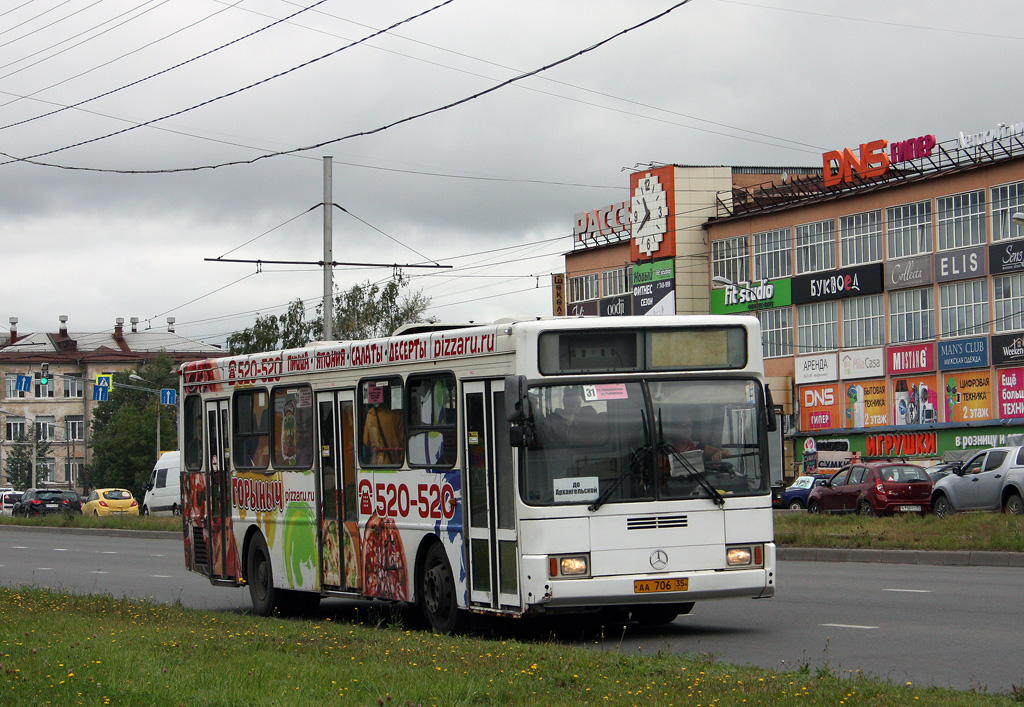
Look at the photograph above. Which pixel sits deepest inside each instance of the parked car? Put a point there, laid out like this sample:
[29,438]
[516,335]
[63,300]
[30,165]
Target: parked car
[794,496]
[873,488]
[74,501]
[8,499]
[36,502]
[939,471]
[107,502]
[991,480]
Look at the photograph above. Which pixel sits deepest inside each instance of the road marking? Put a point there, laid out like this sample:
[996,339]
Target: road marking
[108,552]
[60,549]
[39,569]
[98,572]
[848,626]
[162,554]
[910,591]
[161,576]
[18,547]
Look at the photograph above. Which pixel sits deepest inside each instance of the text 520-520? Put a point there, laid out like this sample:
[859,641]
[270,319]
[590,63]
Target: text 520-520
[398,501]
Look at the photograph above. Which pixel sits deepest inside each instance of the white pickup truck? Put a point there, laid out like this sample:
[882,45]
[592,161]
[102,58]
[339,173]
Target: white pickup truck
[991,480]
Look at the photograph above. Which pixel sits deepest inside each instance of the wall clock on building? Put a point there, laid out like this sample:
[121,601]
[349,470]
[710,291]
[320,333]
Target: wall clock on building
[649,215]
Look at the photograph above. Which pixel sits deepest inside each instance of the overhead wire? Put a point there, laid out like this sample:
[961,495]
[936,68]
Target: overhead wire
[32,158]
[73,46]
[161,72]
[237,91]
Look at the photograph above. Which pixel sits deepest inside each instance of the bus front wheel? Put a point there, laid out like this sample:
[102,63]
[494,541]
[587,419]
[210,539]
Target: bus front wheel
[437,593]
[260,577]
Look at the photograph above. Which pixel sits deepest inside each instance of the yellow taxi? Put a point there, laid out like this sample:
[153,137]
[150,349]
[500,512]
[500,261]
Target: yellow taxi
[110,502]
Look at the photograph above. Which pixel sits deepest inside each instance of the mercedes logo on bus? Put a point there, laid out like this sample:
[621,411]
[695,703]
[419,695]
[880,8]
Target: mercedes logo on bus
[659,559]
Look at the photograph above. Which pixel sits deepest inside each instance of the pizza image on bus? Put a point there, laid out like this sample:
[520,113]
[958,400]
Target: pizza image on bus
[384,572]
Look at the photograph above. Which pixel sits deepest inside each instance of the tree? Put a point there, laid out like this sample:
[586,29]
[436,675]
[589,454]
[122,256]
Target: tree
[362,312]
[271,332]
[19,459]
[367,311]
[123,437]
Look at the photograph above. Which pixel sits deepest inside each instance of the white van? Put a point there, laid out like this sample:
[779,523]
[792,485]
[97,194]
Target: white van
[163,492]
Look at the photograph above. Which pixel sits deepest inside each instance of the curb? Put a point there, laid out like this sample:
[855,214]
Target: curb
[949,558]
[147,534]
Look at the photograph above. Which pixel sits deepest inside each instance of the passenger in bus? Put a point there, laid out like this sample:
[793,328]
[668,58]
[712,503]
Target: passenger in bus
[383,435]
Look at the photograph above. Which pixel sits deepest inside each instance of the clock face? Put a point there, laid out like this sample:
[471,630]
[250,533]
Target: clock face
[649,214]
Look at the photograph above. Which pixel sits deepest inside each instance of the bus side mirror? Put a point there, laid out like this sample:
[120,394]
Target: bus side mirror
[517,402]
[769,409]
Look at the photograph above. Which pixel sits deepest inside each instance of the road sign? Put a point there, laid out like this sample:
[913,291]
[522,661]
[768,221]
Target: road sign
[100,393]
[24,384]
[168,396]
[104,380]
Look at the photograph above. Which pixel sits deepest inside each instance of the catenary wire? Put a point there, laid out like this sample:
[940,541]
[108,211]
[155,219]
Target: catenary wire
[32,158]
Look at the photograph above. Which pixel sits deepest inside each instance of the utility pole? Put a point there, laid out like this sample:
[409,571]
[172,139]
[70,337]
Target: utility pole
[328,250]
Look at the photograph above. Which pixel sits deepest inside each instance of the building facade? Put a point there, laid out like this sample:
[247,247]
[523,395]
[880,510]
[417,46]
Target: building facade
[890,291]
[61,409]
[889,283]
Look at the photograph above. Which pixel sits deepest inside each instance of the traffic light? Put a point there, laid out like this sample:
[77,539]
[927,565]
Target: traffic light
[44,375]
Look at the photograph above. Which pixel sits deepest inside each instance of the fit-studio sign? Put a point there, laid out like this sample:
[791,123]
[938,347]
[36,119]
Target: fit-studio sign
[849,282]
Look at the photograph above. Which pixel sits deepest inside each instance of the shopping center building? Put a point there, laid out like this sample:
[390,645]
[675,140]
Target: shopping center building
[889,282]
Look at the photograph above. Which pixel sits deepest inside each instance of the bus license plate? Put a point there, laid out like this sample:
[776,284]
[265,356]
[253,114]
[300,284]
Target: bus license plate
[649,586]
[910,509]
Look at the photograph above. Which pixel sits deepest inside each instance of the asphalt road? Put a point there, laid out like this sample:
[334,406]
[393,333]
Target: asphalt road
[947,626]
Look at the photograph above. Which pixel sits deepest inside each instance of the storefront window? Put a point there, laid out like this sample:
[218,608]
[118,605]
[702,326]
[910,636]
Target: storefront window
[963,308]
[816,328]
[863,322]
[815,247]
[911,315]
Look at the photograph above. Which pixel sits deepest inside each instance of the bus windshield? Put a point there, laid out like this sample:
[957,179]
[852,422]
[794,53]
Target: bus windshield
[658,439]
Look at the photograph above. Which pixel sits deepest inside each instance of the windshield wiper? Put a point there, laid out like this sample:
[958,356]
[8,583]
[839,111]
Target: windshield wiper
[637,459]
[669,451]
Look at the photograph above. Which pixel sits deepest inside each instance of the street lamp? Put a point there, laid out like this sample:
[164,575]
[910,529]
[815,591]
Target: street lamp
[1018,218]
[136,377]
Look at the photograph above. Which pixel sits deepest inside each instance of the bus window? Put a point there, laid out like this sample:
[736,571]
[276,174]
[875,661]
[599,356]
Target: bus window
[193,432]
[431,411]
[381,427]
[293,427]
[251,429]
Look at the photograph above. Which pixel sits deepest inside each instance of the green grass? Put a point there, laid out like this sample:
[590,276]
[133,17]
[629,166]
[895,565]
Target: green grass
[61,520]
[68,650]
[961,531]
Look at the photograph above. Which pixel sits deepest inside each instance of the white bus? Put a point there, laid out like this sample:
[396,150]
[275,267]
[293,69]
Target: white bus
[515,468]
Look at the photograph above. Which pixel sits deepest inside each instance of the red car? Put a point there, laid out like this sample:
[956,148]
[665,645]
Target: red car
[874,488]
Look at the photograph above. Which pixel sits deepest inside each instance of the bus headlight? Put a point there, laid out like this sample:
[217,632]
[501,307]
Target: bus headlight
[569,566]
[744,556]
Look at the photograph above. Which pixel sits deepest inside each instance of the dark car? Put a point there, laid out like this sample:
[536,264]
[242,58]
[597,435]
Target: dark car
[874,488]
[36,502]
[940,470]
[794,496]
[74,502]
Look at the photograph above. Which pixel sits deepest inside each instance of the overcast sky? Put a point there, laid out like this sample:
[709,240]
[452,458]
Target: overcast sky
[489,186]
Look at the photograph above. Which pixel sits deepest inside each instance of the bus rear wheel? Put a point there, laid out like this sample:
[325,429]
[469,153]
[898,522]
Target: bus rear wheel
[437,592]
[260,577]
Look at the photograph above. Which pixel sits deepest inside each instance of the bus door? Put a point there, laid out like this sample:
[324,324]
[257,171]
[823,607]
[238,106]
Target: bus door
[489,493]
[339,532]
[218,485]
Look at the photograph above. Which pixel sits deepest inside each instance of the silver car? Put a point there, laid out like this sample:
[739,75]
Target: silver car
[991,480]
